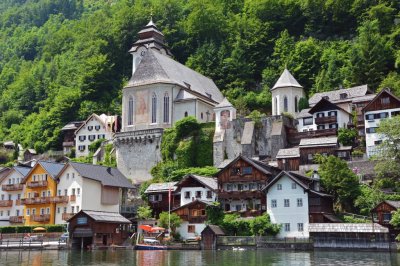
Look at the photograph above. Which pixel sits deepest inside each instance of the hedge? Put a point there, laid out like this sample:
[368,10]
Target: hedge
[29,229]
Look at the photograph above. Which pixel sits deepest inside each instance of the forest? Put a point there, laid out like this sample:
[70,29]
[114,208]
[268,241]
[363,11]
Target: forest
[62,60]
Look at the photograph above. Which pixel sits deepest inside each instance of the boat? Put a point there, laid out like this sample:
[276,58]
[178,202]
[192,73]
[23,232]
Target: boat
[150,244]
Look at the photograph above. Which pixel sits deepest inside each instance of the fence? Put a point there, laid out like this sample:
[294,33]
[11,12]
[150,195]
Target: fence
[30,244]
[356,243]
[265,241]
[236,241]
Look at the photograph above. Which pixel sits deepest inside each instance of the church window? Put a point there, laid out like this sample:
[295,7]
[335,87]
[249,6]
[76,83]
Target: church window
[201,116]
[130,111]
[285,104]
[276,105]
[154,108]
[296,104]
[166,108]
[186,114]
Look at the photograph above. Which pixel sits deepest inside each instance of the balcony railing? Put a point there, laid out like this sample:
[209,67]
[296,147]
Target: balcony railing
[40,218]
[6,203]
[325,120]
[66,215]
[72,198]
[194,219]
[247,213]
[244,194]
[12,187]
[35,184]
[40,200]
[16,219]
[60,199]
[68,144]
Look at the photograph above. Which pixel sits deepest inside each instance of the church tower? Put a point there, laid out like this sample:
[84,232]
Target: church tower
[224,114]
[286,94]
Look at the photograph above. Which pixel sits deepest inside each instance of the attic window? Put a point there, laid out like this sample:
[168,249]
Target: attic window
[343,96]
[187,85]
[325,97]
[208,95]
[385,100]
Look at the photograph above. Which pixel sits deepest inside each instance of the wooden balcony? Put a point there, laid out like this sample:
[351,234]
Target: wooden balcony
[16,219]
[295,137]
[60,199]
[244,194]
[72,198]
[18,202]
[39,200]
[35,184]
[12,187]
[40,218]
[66,215]
[194,219]
[6,203]
[325,120]
[68,144]
[247,213]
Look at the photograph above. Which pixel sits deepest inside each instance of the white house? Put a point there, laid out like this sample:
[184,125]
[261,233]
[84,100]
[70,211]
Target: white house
[196,192]
[94,128]
[291,201]
[384,105]
[11,209]
[286,94]
[89,187]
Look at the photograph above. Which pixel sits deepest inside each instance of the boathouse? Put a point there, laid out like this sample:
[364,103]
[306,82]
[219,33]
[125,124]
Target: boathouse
[209,236]
[91,229]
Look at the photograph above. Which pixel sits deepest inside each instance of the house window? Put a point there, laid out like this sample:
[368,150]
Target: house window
[341,154]
[310,156]
[186,114]
[229,187]
[90,128]
[371,130]
[238,207]
[286,203]
[130,111]
[252,186]
[77,208]
[97,127]
[287,227]
[279,186]
[65,210]
[333,125]
[92,137]
[385,100]
[320,114]
[8,213]
[47,210]
[28,212]
[300,227]
[332,113]
[187,194]
[387,217]
[48,193]
[65,192]
[9,196]
[82,138]
[73,191]
[201,116]
[43,194]
[319,127]
[198,194]
[247,170]
[78,191]
[240,187]
[33,211]
[166,107]
[235,171]
[299,202]
[59,192]
[191,229]
[273,203]
[294,185]
[58,209]
[394,113]
[154,108]
[343,96]
[72,209]
[307,121]
[369,117]
[377,142]
[73,175]
[81,147]
[209,194]
[285,104]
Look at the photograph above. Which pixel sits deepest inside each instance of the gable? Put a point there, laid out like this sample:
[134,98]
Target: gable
[384,100]
[324,105]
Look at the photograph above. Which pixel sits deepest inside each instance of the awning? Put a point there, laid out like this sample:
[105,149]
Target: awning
[82,232]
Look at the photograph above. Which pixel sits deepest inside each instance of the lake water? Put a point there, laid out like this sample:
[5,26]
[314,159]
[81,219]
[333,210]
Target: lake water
[197,258]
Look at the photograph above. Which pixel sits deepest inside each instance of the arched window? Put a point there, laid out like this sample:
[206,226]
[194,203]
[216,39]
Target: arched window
[130,111]
[201,116]
[186,114]
[296,104]
[285,104]
[166,108]
[276,106]
[154,108]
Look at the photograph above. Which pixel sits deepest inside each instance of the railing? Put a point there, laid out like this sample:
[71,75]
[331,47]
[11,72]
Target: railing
[194,219]
[240,194]
[285,240]
[135,133]
[72,198]
[40,200]
[236,240]
[66,216]
[40,218]
[325,120]
[68,144]
[35,184]
[12,187]
[6,203]
[60,199]
[247,213]
[16,219]
[295,137]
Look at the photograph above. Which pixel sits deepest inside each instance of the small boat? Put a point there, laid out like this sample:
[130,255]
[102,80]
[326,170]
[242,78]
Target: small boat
[150,244]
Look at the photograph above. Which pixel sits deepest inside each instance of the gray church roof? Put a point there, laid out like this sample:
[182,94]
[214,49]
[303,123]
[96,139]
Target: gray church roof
[158,68]
[286,80]
[335,95]
[224,103]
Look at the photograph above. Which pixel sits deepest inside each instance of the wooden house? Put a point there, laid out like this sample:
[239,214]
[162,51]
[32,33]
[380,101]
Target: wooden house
[240,184]
[69,135]
[30,154]
[194,187]
[88,229]
[288,159]
[209,237]
[157,196]
[382,214]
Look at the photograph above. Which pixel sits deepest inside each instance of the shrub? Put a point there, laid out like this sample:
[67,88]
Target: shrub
[8,229]
[55,228]
[24,229]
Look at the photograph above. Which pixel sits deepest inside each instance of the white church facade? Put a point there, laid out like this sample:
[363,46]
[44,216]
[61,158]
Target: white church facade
[160,92]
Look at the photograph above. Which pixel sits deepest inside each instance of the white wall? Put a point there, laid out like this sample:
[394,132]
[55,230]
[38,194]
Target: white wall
[192,197]
[85,132]
[302,128]
[13,177]
[183,230]
[91,197]
[184,106]
[370,138]
[292,214]
[203,107]
[290,93]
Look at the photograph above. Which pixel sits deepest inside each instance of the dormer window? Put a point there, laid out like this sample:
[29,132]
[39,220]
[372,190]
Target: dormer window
[343,96]
[187,195]
[325,97]
[209,95]
[198,194]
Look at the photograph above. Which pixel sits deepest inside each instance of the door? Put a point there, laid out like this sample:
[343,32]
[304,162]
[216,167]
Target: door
[105,240]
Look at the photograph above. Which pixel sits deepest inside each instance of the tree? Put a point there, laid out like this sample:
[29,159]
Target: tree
[144,212]
[173,220]
[215,214]
[339,181]
[346,136]
[303,103]
[261,225]
[368,199]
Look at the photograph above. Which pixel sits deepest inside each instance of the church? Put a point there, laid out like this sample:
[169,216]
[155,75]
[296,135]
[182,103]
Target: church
[160,92]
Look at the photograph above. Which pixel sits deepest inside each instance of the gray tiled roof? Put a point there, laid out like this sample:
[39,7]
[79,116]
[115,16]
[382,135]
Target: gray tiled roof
[208,181]
[365,98]
[22,170]
[107,217]
[288,153]
[161,187]
[323,141]
[216,229]
[184,95]
[394,203]
[346,227]
[334,96]
[304,113]
[108,176]
[224,103]
[286,80]
[52,168]
[158,68]
[224,163]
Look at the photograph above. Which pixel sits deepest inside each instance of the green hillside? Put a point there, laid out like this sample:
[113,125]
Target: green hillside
[61,60]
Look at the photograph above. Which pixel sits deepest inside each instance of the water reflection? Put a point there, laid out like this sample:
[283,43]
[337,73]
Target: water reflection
[197,258]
